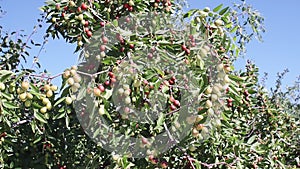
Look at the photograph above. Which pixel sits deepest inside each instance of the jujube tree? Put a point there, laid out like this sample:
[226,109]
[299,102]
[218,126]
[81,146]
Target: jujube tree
[149,73]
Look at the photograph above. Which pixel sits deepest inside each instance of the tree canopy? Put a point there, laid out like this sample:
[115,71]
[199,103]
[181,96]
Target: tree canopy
[155,87]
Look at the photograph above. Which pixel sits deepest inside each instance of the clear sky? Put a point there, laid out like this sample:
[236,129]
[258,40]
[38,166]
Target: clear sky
[280,49]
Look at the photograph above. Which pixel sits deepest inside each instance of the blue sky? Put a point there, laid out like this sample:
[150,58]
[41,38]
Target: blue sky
[281,41]
[280,49]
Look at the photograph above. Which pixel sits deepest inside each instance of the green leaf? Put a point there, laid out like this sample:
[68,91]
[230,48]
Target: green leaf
[164,42]
[201,64]
[34,88]
[50,2]
[59,101]
[108,61]
[108,94]
[234,29]
[37,94]
[228,45]
[216,9]
[251,139]
[8,96]
[236,78]
[224,39]
[96,133]
[88,15]
[11,165]
[36,105]
[251,91]
[107,114]
[59,115]
[37,140]
[160,120]
[115,23]
[81,94]
[159,71]
[19,76]
[237,51]
[197,165]
[67,122]
[282,165]
[224,117]
[165,89]
[9,105]
[33,126]
[233,90]
[5,74]
[97,6]
[40,117]
[190,13]
[229,25]
[223,11]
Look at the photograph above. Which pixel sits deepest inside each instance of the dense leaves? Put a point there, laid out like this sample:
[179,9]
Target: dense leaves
[236,123]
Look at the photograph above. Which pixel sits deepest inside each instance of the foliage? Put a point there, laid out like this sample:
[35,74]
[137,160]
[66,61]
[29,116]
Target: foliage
[247,127]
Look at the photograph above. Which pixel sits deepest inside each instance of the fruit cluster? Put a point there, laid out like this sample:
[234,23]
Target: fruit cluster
[27,97]
[82,19]
[73,78]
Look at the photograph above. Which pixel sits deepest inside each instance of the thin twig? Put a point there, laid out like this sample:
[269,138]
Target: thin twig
[83,73]
[36,58]
[43,76]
